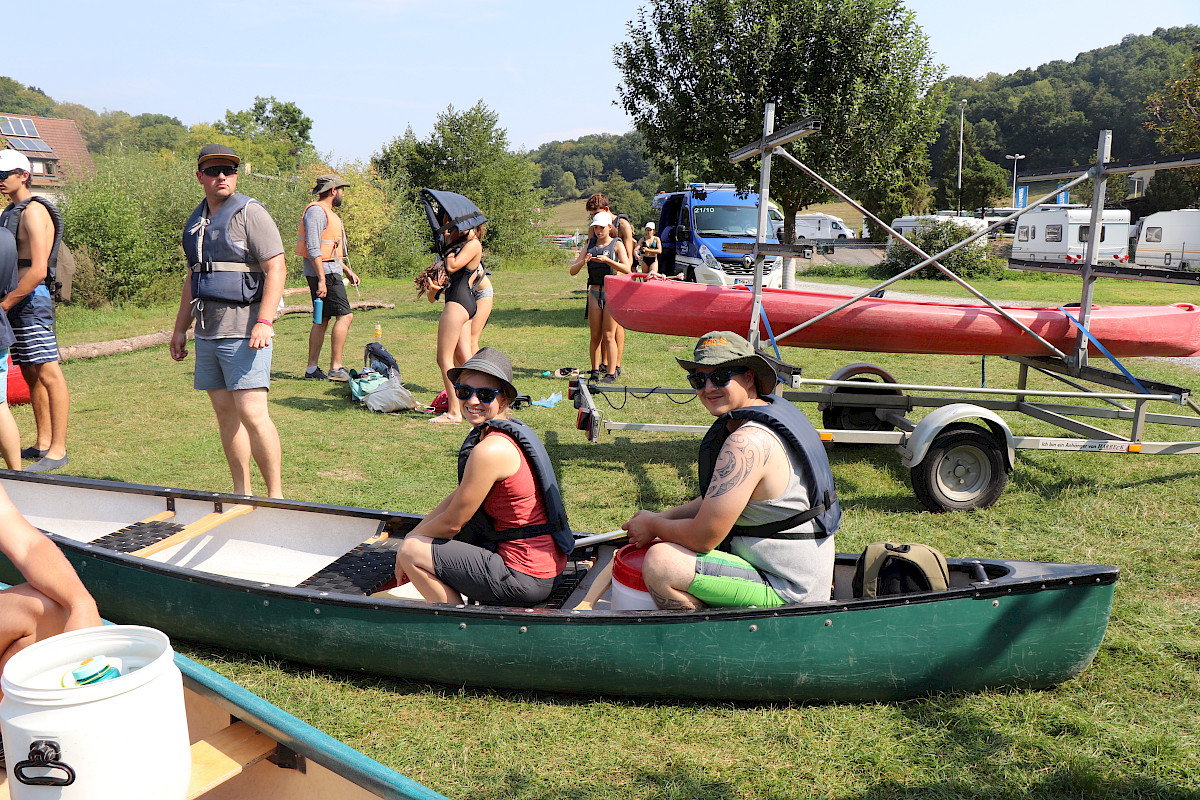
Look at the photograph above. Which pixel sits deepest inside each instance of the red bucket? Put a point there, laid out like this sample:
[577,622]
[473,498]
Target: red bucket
[18,389]
[628,589]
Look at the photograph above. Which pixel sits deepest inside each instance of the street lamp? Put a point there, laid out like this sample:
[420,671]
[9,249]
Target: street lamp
[1015,158]
[962,110]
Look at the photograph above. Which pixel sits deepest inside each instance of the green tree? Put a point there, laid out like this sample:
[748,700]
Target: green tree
[1175,120]
[281,129]
[697,75]
[933,237]
[982,181]
[16,98]
[467,152]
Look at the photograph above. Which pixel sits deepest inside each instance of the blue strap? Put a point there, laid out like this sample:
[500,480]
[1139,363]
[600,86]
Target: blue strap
[770,334]
[1104,350]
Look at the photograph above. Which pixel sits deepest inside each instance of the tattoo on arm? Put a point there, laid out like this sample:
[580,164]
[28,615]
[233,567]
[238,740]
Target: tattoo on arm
[738,458]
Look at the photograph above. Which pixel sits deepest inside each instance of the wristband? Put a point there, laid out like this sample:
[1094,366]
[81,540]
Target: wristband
[265,322]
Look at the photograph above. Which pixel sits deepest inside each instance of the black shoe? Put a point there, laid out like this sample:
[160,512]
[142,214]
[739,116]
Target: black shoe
[609,378]
[618,372]
[603,368]
[315,374]
[593,375]
[33,453]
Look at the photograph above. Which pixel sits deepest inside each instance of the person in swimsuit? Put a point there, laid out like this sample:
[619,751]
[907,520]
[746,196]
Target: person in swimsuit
[648,249]
[623,231]
[464,254]
[512,516]
[604,256]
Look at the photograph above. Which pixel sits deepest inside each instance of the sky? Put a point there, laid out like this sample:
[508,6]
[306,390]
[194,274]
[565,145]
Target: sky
[365,70]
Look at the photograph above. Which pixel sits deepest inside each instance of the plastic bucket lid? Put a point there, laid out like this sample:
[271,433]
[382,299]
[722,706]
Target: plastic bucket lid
[627,567]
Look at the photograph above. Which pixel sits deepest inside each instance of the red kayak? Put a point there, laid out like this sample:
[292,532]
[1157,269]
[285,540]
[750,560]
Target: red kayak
[899,326]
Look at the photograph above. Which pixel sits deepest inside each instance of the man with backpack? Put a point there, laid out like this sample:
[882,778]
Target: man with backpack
[30,308]
[761,531]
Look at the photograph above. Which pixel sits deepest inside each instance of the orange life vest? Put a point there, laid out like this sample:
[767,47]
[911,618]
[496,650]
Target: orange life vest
[332,238]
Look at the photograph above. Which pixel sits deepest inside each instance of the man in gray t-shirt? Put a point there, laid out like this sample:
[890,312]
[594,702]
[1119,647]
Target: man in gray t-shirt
[232,292]
[322,244]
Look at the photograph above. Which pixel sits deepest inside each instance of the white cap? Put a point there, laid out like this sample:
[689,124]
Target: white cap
[649,226]
[602,218]
[11,159]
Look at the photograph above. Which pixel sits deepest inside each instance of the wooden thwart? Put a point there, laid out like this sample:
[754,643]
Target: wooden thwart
[225,754]
[202,525]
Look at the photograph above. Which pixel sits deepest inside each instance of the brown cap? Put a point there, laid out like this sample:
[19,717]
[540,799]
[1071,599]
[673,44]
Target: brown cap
[211,151]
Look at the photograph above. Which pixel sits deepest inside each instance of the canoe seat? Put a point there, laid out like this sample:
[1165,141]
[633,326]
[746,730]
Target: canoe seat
[138,535]
[363,570]
[566,583]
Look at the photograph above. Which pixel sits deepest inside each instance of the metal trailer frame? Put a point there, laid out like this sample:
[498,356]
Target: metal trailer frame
[960,454]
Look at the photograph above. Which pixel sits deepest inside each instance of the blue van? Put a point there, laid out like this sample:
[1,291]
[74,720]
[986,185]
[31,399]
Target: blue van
[697,223]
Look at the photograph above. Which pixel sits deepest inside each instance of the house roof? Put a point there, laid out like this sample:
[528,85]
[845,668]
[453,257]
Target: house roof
[67,150]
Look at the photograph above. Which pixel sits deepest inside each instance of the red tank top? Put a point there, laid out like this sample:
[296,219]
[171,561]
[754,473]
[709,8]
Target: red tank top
[514,503]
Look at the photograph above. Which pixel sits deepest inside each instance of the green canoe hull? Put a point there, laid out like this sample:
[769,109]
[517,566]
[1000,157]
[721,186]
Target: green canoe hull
[1032,625]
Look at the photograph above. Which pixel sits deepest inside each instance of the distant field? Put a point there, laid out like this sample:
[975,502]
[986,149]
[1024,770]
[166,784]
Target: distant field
[569,216]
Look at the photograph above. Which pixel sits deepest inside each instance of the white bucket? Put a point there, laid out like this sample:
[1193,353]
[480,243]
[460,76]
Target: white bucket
[628,590]
[125,738]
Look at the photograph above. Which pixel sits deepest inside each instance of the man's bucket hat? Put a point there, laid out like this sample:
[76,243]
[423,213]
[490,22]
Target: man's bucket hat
[727,349]
[327,183]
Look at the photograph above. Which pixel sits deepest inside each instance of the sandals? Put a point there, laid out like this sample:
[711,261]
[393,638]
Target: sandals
[566,372]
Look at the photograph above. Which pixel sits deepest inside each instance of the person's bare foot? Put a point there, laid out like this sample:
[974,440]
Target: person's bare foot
[446,419]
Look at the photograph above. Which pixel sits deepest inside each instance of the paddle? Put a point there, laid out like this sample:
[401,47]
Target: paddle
[597,538]
[598,588]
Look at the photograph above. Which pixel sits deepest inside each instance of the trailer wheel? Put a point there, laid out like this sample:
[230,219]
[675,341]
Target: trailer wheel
[857,418]
[964,469]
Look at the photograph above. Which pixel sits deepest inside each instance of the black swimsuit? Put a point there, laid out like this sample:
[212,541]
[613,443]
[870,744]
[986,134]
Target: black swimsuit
[458,290]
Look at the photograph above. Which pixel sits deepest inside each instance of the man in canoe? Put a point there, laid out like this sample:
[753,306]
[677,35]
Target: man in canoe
[761,532]
[234,283]
[53,600]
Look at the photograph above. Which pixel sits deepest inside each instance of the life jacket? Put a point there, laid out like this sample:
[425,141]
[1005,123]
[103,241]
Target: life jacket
[801,438]
[11,219]
[331,244]
[221,268]
[543,473]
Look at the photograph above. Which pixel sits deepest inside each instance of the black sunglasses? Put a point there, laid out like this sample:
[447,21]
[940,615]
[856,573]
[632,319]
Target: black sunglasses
[485,395]
[4,174]
[719,377]
[216,172]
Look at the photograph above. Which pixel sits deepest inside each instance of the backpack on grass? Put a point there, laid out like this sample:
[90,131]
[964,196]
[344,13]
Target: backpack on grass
[376,357]
[888,569]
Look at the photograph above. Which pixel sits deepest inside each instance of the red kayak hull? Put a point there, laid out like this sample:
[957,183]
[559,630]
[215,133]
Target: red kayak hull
[899,326]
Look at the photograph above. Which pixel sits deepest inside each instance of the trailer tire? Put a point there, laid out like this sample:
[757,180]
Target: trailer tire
[859,418]
[965,468]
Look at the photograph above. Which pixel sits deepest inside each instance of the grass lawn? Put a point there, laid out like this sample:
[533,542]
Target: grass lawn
[1128,727]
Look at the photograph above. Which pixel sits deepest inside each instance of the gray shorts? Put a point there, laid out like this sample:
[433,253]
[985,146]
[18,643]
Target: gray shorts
[231,364]
[482,575]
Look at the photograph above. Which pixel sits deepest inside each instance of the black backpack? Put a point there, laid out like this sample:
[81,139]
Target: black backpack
[379,359]
[887,569]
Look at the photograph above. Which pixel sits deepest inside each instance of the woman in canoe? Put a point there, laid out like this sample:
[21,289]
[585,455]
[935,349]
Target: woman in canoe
[605,255]
[502,536]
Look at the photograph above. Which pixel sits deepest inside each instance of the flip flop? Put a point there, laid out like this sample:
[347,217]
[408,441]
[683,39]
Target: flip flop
[566,372]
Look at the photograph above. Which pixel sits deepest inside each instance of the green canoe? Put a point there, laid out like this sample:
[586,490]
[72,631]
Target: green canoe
[295,579]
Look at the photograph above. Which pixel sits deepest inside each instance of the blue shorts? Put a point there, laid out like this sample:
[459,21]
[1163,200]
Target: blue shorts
[231,364]
[32,322]
[4,377]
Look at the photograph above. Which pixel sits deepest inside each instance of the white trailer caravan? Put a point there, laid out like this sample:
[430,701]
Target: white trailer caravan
[907,226]
[1058,234]
[1170,239]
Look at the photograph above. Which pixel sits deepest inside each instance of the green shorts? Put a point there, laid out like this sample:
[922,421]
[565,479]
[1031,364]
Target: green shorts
[724,580]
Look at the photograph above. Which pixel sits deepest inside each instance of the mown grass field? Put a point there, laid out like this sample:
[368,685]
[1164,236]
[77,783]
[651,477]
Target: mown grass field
[1128,727]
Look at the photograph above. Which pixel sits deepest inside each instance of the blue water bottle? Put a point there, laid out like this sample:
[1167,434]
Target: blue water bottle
[318,305]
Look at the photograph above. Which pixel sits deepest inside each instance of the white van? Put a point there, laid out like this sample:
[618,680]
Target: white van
[907,226]
[1059,234]
[816,226]
[1169,239]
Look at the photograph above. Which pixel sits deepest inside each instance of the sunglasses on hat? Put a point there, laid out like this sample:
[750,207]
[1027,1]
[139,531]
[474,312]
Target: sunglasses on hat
[485,395]
[719,377]
[216,172]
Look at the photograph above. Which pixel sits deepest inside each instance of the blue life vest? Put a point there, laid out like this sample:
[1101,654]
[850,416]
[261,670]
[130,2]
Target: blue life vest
[11,219]
[543,473]
[221,268]
[802,439]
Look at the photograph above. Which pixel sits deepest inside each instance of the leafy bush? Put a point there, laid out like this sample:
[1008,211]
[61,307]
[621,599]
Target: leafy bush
[933,237]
